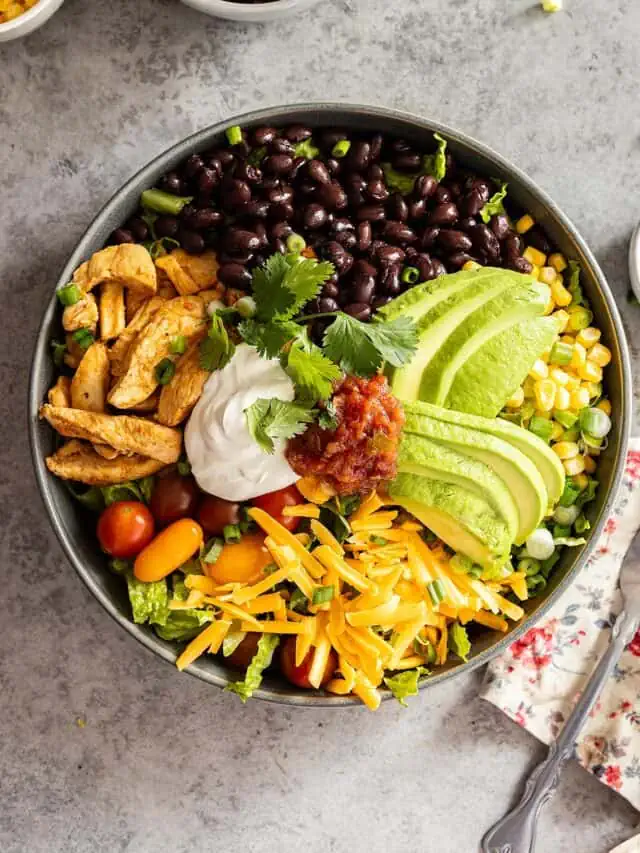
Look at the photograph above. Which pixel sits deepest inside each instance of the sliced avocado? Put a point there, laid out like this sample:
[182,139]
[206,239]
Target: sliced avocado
[513,469]
[539,453]
[418,455]
[509,308]
[485,382]
[437,324]
[461,518]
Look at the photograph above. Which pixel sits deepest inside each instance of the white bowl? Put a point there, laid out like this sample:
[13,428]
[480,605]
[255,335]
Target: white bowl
[250,12]
[29,21]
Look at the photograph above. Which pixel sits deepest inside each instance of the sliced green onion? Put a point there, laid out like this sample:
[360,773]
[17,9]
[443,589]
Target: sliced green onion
[234,134]
[436,591]
[341,149]
[58,352]
[83,337]
[246,307]
[595,423]
[231,533]
[572,434]
[163,202]
[184,467]
[70,294]
[178,345]
[579,318]
[119,566]
[540,544]
[425,649]
[561,353]
[570,494]
[161,247]
[212,550]
[561,530]
[594,443]
[378,540]
[322,594]
[165,371]
[565,419]
[257,156]
[298,599]
[529,566]
[566,515]
[542,427]
[410,275]
[269,569]
[582,524]
[296,243]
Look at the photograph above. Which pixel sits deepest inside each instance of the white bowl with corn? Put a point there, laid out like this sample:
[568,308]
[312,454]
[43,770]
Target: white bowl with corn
[20,17]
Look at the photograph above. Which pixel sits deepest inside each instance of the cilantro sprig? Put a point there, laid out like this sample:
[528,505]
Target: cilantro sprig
[284,284]
[270,420]
[217,349]
[361,348]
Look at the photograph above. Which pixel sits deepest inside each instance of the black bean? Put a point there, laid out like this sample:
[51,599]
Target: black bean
[172,183]
[330,290]
[241,150]
[438,267]
[444,214]
[166,226]
[240,242]
[281,146]
[256,208]
[247,172]
[280,231]
[364,291]
[138,227]
[397,208]
[472,204]
[283,192]
[425,186]
[512,245]
[282,210]
[485,241]
[466,223]
[258,260]
[459,259]
[279,246]
[408,161]
[207,179]
[318,172]
[226,158]
[338,256]
[204,219]
[332,196]
[364,235]
[359,310]
[443,195]
[398,232]
[424,266]
[263,135]
[298,163]
[359,155]
[411,252]
[454,241]
[334,166]
[121,235]
[355,197]
[327,304]
[371,212]
[215,164]
[386,254]
[191,241]
[297,133]
[400,146]
[347,239]
[520,264]
[236,193]
[380,301]
[342,224]
[314,216]
[192,165]
[500,226]
[234,275]
[278,164]
[329,137]
[481,187]
[307,188]
[455,188]
[429,236]
[375,149]
[269,182]
[536,238]
[261,233]
[417,208]
[377,190]
[389,280]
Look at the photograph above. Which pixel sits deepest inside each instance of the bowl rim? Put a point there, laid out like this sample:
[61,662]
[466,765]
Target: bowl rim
[279,113]
[260,12]
[28,16]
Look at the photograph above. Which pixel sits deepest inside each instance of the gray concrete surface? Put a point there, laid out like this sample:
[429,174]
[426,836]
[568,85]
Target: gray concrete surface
[160,761]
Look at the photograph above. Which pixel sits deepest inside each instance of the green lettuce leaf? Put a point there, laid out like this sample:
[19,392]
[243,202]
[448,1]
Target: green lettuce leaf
[149,601]
[459,641]
[307,149]
[495,204]
[436,164]
[405,684]
[398,182]
[183,625]
[267,645]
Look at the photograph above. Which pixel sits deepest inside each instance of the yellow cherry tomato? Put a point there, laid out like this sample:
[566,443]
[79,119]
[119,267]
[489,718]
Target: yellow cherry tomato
[240,562]
[169,550]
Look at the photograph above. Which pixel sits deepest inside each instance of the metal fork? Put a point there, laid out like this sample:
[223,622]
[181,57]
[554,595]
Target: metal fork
[515,832]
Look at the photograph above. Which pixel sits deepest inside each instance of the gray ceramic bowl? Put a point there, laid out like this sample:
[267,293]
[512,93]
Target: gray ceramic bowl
[77,537]
[251,13]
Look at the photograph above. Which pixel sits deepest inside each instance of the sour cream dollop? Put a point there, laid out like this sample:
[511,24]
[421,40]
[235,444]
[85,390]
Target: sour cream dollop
[225,459]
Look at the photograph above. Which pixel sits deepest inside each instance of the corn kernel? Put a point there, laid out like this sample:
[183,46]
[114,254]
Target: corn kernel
[573,383]
[558,261]
[545,394]
[566,450]
[579,399]
[534,256]
[568,339]
[471,265]
[546,355]
[579,358]
[516,399]
[524,224]
[562,318]
[560,294]
[594,389]
[590,371]
[528,386]
[560,377]
[539,370]
[588,337]
[600,355]
[547,275]
[543,413]
[557,430]
[563,399]
[574,466]
[605,405]
[581,481]
[589,465]
[548,308]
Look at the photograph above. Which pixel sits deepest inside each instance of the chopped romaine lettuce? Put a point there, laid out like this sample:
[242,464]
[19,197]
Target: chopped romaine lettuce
[459,641]
[405,684]
[436,164]
[149,601]
[183,625]
[495,204]
[267,644]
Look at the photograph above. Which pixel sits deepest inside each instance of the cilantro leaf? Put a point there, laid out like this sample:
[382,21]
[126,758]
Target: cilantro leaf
[328,417]
[361,348]
[459,641]
[436,164]
[305,279]
[268,338]
[312,371]
[216,350]
[405,683]
[275,419]
[281,286]
[495,204]
[267,645]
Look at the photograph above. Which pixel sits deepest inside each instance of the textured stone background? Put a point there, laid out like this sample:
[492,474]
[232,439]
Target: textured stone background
[165,762]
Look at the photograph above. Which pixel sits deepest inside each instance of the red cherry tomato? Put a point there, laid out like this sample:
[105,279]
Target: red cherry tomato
[274,502]
[173,497]
[125,528]
[242,656]
[215,513]
[299,675]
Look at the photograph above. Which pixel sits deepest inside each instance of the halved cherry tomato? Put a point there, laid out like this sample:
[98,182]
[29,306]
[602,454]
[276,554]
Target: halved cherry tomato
[274,502]
[242,656]
[215,513]
[125,528]
[169,550]
[299,675]
[174,497]
[240,562]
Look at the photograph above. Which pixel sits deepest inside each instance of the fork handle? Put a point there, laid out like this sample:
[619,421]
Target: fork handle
[515,832]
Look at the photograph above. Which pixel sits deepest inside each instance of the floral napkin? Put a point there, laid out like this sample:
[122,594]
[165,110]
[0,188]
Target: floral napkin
[538,679]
